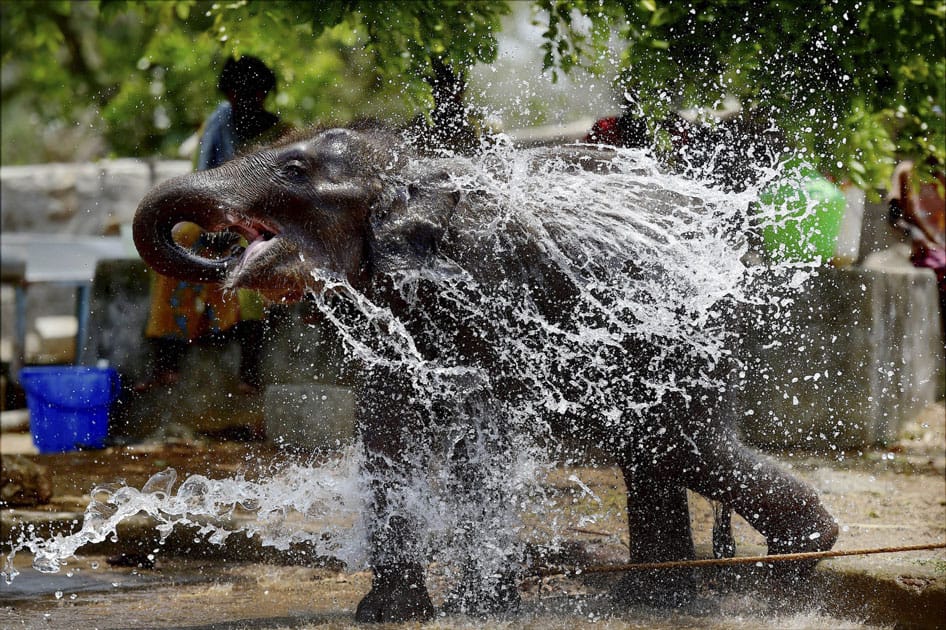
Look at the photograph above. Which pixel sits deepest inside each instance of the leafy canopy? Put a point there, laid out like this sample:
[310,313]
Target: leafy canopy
[856,84]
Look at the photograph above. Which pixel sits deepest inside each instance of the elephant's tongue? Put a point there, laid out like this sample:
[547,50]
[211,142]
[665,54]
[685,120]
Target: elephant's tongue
[255,249]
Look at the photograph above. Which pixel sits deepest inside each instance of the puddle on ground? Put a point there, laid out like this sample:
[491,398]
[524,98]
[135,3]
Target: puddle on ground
[201,595]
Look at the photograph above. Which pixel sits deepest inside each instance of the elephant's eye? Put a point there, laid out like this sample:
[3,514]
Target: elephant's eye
[295,168]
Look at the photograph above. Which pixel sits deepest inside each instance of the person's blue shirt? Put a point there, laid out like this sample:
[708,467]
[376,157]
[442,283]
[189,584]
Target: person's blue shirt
[217,144]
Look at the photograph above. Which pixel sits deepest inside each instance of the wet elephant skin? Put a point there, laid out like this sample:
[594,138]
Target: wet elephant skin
[357,205]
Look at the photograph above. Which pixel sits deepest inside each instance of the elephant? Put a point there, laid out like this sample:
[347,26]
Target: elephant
[494,317]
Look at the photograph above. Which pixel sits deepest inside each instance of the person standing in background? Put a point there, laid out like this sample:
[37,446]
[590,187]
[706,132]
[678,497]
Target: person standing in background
[182,312]
[919,210]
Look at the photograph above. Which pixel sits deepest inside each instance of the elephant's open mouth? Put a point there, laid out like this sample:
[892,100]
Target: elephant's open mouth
[260,238]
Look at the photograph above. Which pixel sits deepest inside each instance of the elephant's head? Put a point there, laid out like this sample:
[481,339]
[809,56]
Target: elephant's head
[337,201]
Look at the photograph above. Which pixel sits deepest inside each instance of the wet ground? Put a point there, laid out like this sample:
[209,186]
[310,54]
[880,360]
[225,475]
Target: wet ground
[881,498]
[183,594]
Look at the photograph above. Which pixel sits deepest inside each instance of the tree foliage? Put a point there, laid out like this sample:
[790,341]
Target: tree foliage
[854,83]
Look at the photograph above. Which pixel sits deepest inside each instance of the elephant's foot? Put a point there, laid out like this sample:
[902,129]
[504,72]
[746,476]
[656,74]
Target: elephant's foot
[668,588]
[398,593]
[820,536]
[480,598]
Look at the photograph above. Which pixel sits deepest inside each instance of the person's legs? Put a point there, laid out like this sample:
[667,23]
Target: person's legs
[249,333]
[167,354]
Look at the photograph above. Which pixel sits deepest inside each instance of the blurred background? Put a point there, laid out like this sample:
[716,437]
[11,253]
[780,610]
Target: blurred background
[852,83]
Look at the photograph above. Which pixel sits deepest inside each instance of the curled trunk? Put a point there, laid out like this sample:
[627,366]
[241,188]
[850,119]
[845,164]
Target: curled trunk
[194,198]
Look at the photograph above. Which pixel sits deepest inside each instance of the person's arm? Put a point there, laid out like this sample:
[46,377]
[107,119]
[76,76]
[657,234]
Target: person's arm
[911,209]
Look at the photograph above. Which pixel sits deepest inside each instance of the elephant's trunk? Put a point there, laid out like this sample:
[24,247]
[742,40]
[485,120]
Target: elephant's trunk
[195,198]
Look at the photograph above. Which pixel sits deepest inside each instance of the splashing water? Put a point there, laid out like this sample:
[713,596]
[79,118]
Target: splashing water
[218,508]
[569,301]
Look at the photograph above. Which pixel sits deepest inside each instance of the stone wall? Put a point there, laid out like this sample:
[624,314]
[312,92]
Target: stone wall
[72,198]
[861,352]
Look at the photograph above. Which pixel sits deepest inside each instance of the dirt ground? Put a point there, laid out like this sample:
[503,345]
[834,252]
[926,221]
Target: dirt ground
[252,596]
[898,488]
[882,498]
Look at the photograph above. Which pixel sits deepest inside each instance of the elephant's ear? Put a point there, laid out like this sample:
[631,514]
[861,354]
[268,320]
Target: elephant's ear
[409,223]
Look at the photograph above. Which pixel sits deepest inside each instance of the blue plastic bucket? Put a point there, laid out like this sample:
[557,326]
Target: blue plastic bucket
[69,405]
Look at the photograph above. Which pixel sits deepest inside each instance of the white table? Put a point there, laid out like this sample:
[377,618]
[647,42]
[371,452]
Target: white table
[66,260]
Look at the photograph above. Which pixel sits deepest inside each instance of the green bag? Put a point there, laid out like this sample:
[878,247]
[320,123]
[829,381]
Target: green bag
[807,211]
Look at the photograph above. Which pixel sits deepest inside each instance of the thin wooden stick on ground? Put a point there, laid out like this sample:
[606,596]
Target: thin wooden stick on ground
[719,562]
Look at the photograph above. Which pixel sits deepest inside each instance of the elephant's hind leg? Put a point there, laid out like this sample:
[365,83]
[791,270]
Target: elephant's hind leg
[784,509]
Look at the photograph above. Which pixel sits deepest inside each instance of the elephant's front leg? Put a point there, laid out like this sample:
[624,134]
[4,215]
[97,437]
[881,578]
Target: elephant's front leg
[659,527]
[489,549]
[398,588]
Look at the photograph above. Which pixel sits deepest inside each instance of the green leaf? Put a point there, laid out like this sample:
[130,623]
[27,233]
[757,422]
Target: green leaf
[182,9]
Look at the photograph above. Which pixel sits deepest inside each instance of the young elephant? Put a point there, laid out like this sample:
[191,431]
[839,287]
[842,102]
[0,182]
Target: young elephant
[495,316]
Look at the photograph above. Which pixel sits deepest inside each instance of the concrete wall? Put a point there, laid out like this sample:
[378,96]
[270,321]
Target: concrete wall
[299,357]
[858,353]
[72,198]
[99,198]
[870,334]
[87,198]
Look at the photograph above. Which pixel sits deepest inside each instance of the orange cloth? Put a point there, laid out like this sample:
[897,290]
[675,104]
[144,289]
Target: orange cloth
[187,310]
